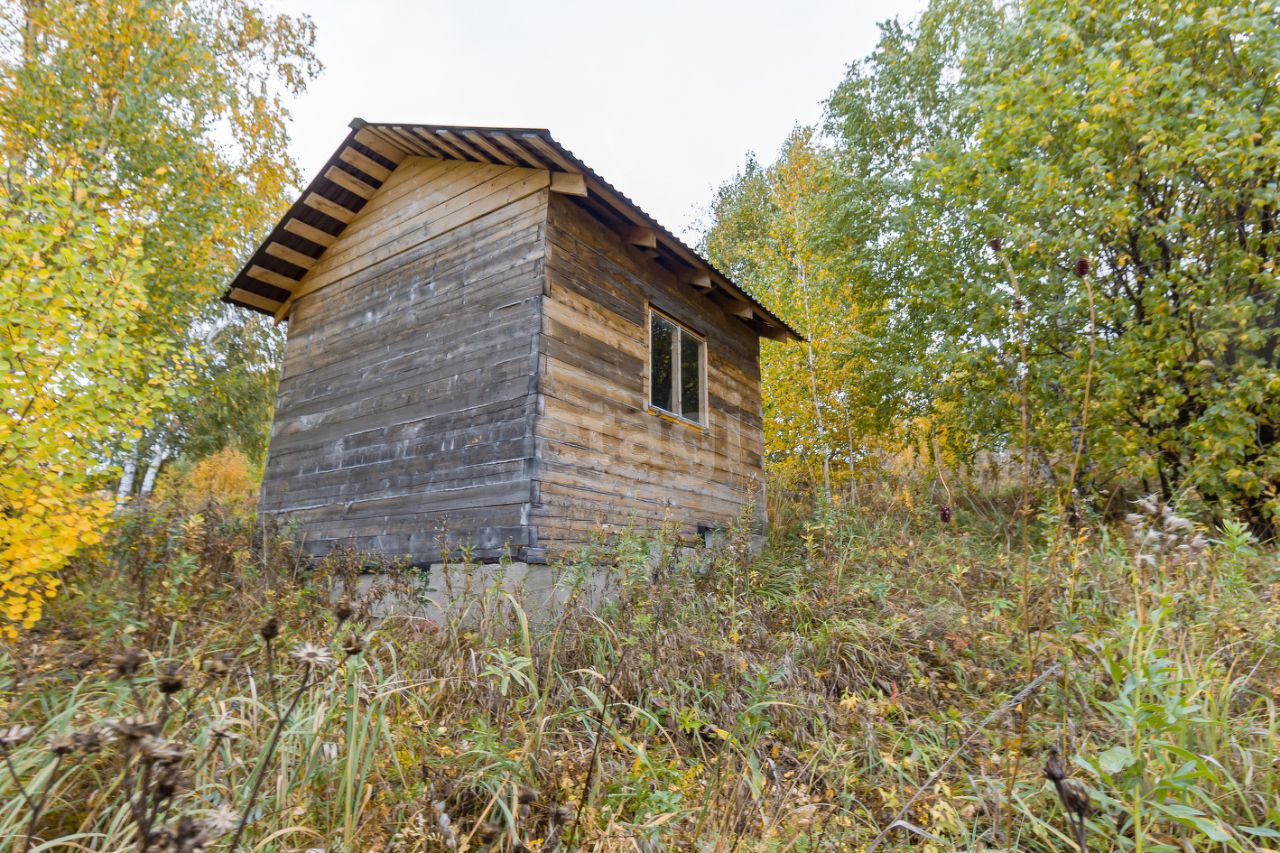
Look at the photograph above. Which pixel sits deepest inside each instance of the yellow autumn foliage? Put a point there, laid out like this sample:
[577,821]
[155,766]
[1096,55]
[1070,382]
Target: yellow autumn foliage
[226,478]
[77,373]
[39,530]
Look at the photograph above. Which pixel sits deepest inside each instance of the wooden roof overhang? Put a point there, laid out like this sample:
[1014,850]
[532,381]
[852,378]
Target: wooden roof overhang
[269,281]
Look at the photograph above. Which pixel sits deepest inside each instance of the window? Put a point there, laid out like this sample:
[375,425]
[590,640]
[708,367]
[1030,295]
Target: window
[677,375]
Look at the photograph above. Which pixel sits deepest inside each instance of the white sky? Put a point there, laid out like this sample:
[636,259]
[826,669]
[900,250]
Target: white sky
[664,98]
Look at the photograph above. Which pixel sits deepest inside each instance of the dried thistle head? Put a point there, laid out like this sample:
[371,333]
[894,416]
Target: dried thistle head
[90,741]
[221,821]
[353,644]
[1053,768]
[310,654]
[63,745]
[996,244]
[170,681]
[15,735]
[270,629]
[218,665]
[488,832]
[171,780]
[1074,795]
[135,728]
[1082,267]
[161,751]
[343,610]
[126,663]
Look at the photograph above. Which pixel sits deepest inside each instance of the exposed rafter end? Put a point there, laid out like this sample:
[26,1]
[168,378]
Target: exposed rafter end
[772,332]
[700,279]
[642,236]
[384,149]
[733,305]
[267,276]
[569,183]
[246,297]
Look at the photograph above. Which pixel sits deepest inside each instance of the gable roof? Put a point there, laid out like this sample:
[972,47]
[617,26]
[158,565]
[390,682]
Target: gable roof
[369,154]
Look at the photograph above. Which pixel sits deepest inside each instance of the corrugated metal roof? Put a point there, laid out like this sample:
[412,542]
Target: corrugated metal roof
[371,152]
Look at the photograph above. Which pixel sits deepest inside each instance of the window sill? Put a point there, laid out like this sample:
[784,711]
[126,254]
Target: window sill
[663,414]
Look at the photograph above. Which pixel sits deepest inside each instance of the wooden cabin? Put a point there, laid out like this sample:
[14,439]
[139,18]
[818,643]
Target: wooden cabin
[490,346]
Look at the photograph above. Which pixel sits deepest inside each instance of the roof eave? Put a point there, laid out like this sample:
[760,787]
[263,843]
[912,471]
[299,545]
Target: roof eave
[371,151]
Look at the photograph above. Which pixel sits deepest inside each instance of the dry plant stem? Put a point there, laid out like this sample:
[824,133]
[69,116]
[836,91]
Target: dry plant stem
[1082,840]
[1074,473]
[1024,513]
[595,747]
[136,804]
[271,680]
[266,758]
[937,464]
[22,789]
[38,806]
[137,696]
[190,704]
[144,819]
[1012,702]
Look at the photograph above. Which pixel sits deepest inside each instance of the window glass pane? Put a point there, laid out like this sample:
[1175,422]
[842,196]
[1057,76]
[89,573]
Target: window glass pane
[690,377]
[661,369]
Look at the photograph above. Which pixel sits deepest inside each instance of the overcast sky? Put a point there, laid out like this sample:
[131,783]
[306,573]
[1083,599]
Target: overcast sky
[664,98]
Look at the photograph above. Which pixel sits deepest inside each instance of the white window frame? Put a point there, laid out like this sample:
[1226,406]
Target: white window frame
[681,329]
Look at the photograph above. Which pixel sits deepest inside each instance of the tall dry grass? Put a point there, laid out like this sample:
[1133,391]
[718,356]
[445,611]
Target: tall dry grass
[862,683]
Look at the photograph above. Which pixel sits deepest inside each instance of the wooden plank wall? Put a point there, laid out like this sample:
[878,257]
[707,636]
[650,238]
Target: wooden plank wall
[406,404]
[602,457]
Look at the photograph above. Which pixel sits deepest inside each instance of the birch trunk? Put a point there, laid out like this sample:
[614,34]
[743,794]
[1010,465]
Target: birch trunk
[158,456]
[124,489]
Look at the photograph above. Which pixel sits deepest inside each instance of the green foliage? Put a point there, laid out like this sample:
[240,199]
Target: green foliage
[1141,137]
[822,402]
[1138,135]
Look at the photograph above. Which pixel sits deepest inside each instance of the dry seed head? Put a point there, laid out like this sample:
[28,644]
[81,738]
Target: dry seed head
[62,744]
[1082,267]
[312,655]
[1149,505]
[1053,768]
[135,728]
[171,780]
[170,682]
[218,666]
[353,645]
[343,610]
[161,751]
[221,821]
[89,742]
[270,629]
[15,734]
[1075,797]
[127,662]
[996,244]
